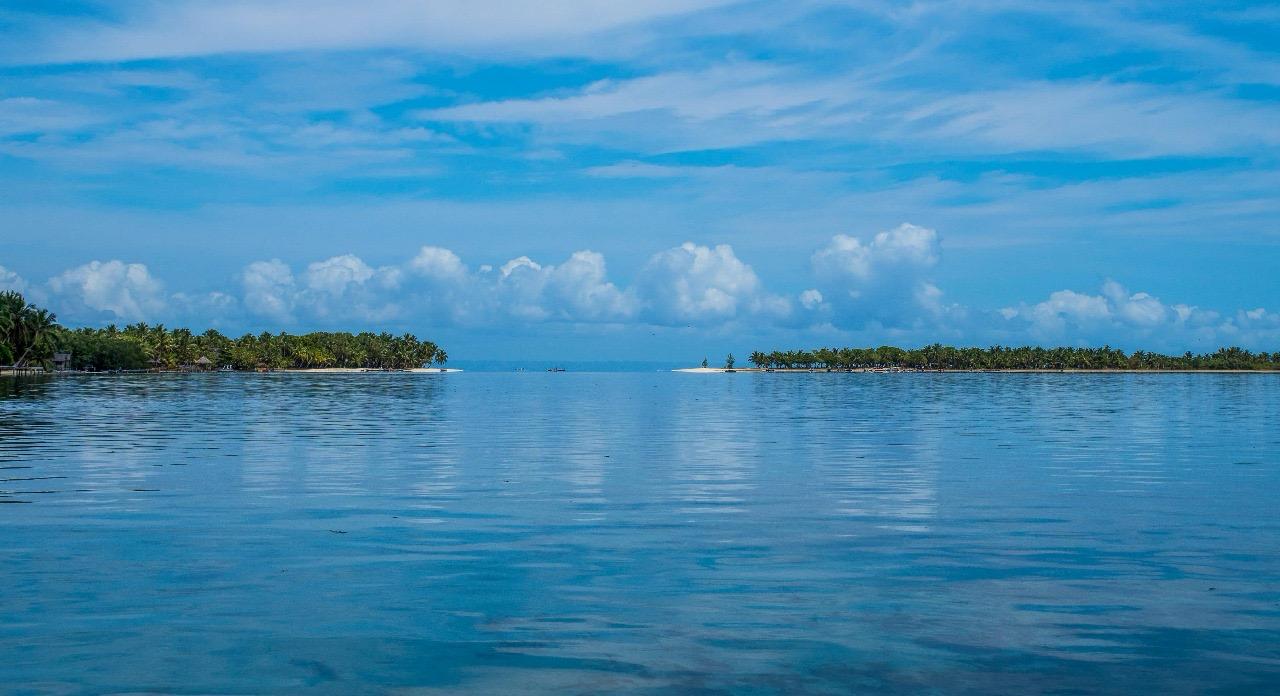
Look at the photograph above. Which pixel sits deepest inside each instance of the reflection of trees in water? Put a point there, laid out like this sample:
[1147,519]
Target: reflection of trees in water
[107,434]
[24,386]
[25,417]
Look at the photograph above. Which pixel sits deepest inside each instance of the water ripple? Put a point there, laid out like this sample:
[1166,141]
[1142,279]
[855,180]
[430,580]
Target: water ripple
[579,533]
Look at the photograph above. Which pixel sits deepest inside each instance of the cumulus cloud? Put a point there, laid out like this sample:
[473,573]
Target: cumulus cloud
[576,290]
[1139,309]
[876,290]
[269,289]
[341,287]
[685,285]
[11,281]
[346,286]
[333,277]
[125,291]
[438,263]
[1062,307]
[693,284]
[1067,312]
[1116,315]
[883,280]
[436,285]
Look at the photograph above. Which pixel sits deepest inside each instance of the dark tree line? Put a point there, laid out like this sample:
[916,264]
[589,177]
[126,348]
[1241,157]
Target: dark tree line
[29,336]
[937,356]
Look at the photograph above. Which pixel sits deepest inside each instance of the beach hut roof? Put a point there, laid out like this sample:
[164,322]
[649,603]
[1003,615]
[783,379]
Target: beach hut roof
[204,361]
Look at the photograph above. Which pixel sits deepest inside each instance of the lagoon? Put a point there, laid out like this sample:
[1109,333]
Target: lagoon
[644,532]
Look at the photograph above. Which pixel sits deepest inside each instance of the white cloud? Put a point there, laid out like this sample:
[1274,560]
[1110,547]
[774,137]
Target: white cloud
[333,277]
[693,284]
[1121,119]
[1062,308]
[1137,320]
[580,284]
[883,280]
[269,289]
[188,28]
[436,285]
[1139,308]
[520,262]
[886,298]
[125,291]
[689,284]
[905,246]
[346,286]
[735,103]
[438,263]
[11,281]
[577,290]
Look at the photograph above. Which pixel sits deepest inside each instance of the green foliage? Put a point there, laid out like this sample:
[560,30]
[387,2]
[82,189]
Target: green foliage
[322,349]
[28,336]
[171,349]
[728,361]
[937,356]
[98,350]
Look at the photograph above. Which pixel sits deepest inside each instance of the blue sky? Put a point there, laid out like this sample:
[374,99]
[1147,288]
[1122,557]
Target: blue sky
[649,179]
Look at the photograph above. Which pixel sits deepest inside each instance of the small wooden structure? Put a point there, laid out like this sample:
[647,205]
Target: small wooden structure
[204,364]
[61,362]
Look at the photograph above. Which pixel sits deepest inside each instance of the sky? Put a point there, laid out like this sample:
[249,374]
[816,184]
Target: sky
[655,179]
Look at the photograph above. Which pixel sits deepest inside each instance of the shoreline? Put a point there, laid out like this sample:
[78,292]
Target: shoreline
[900,370]
[305,371]
[685,370]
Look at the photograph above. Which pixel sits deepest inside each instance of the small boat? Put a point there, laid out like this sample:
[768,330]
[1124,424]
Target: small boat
[555,369]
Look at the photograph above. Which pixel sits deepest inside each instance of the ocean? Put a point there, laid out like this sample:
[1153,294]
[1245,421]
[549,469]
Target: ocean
[640,532]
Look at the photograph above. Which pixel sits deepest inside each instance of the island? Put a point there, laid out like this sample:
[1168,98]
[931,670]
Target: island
[31,340]
[940,358]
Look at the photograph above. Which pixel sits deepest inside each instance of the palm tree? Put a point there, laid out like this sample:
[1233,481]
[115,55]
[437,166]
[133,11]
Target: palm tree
[184,346]
[161,345]
[39,330]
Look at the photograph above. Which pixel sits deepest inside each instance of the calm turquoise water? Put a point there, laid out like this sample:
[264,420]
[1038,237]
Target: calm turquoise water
[641,533]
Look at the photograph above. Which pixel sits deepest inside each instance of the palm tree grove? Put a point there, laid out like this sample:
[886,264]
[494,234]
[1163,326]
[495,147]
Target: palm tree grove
[30,335]
[940,357]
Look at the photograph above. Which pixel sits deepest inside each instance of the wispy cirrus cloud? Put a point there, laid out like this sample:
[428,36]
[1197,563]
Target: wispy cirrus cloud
[1055,143]
[184,28]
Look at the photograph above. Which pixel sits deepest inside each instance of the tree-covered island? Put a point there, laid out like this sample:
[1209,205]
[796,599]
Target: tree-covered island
[31,337]
[940,357]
